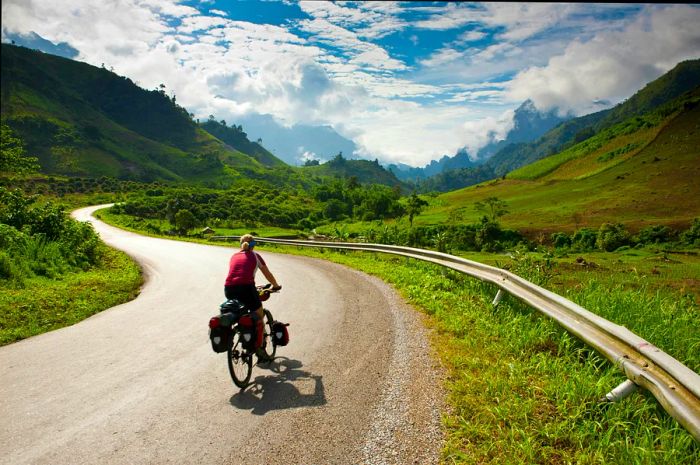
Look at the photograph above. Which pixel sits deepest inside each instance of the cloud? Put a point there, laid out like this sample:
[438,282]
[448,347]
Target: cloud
[337,66]
[472,36]
[613,64]
[363,52]
[478,133]
[306,155]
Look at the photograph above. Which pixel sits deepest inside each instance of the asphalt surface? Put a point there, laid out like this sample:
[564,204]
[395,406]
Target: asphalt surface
[139,383]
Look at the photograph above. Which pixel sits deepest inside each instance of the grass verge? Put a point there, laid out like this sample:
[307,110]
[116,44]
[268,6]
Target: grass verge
[520,389]
[45,304]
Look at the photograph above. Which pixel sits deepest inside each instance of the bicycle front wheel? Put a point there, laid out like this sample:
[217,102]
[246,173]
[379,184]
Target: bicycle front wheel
[269,347]
[240,362]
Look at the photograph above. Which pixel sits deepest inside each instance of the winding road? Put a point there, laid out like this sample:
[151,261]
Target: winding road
[139,383]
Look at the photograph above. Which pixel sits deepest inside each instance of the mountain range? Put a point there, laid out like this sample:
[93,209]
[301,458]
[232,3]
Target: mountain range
[529,123]
[511,153]
[642,171]
[82,120]
[297,143]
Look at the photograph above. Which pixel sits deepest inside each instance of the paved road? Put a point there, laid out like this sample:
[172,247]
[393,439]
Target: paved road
[138,383]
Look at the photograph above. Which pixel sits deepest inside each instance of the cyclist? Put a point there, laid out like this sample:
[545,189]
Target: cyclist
[240,282]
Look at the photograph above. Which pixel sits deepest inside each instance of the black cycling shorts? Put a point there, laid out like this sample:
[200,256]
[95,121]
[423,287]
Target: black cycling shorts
[247,294]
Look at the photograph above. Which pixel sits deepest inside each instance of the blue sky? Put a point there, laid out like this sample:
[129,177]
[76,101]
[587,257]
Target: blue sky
[406,81]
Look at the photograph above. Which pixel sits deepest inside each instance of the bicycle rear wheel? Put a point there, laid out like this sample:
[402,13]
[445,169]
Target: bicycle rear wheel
[240,362]
[269,347]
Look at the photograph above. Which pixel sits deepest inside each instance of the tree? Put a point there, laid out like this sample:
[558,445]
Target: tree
[492,207]
[12,157]
[184,221]
[414,206]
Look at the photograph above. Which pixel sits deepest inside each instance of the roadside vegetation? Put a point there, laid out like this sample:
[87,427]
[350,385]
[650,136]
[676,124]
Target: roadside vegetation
[522,390]
[54,271]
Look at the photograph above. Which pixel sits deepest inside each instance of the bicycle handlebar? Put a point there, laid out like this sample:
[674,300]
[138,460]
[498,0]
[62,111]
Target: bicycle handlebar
[269,288]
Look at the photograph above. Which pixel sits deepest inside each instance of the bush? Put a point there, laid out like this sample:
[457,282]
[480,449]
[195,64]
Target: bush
[561,240]
[692,235]
[654,235]
[584,239]
[11,239]
[464,237]
[612,236]
[42,240]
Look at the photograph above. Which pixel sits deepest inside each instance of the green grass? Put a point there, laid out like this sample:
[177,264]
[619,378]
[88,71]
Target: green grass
[522,390]
[45,304]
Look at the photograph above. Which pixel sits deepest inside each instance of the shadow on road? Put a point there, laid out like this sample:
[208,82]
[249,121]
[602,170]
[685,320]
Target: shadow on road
[287,387]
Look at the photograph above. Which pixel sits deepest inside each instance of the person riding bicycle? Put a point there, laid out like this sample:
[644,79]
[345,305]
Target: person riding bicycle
[240,282]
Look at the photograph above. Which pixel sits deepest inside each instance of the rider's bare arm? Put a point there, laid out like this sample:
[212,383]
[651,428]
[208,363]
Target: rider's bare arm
[269,276]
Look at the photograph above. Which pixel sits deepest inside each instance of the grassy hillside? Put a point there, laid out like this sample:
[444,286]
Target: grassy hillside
[366,172]
[641,172]
[80,120]
[683,78]
[238,140]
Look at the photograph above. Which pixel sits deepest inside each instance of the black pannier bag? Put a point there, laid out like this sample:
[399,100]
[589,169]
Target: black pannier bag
[232,306]
[280,334]
[220,332]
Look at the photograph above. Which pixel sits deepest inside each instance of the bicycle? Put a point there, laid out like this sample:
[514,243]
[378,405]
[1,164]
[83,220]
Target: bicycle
[242,346]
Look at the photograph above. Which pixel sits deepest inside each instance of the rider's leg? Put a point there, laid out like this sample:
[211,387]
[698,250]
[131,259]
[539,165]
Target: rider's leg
[262,356]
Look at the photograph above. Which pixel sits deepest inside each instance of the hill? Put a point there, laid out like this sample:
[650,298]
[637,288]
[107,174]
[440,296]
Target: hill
[528,124]
[682,78]
[297,143]
[81,120]
[237,139]
[364,171]
[640,172]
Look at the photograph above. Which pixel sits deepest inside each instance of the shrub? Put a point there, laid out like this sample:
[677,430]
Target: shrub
[561,240]
[464,237]
[11,239]
[692,235]
[487,236]
[584,239]
[612,236]
[654,235]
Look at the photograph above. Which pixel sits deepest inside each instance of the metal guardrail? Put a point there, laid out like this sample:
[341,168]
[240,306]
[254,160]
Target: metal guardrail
[675,386]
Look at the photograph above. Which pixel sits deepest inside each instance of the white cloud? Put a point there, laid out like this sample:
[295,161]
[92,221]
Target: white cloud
[480,132]
[328,33]
[472,36]
[306,155]
[332,71]
[200,23]
[442,57]
[613,65]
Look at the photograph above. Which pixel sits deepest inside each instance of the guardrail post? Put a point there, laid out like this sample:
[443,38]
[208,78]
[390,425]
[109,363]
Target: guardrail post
[499,296]
[620,392]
